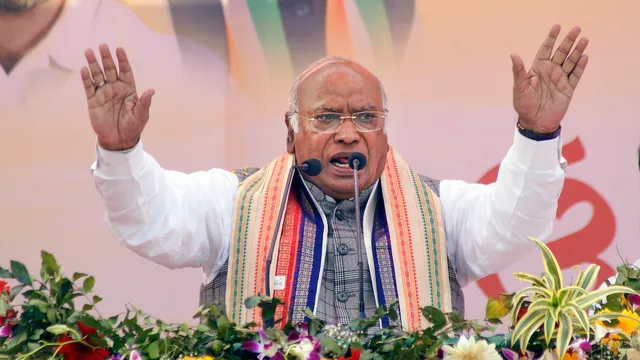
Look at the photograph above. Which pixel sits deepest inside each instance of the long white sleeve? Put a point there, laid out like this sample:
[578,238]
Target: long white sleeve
[174,219]
[487,226]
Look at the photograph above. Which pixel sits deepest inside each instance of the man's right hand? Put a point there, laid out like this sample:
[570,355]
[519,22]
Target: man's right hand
[117,114]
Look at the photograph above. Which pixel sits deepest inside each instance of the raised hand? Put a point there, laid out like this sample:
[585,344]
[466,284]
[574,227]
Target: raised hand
[541,96]
[117,114]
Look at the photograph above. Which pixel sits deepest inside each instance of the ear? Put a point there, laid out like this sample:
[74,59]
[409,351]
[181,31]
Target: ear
[291,147]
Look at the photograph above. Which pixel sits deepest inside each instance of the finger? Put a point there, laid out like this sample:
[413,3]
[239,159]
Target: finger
[576,75]
[126,73]
[94,67]
[108,64]
[141,109]
[89,86]
[576,54]
[544,53]
[519,72]
[566,45]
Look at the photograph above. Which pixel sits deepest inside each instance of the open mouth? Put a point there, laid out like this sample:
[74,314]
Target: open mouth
[340,161]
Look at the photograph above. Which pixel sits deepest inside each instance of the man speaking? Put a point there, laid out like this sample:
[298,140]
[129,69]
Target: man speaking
[354,227]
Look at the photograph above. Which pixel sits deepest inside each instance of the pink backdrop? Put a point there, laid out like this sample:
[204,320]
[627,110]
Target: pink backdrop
[451,117]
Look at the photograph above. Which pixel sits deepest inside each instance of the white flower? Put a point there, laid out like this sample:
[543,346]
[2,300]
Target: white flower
[305,350]
[471,350]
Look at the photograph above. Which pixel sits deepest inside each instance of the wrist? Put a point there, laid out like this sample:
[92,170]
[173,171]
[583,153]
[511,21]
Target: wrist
[117,146]
[533,133]
[523,124]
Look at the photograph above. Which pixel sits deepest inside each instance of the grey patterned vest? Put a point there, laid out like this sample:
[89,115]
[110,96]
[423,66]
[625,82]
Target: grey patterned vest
[338,299]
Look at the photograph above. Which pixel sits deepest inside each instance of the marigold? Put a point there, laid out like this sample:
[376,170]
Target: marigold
[627,325]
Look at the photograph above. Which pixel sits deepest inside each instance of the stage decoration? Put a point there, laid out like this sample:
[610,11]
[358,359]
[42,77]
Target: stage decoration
[54,316]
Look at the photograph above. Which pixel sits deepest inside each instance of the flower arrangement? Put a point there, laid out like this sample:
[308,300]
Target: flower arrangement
[55,317]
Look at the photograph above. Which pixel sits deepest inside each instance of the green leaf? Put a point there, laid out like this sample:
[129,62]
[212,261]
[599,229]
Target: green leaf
[532,319]
[153,350]
[15,291]
[15,342]
[565,332]
[88,320]
[49,263]
[268,311]
[633,283]
[74,317]
[437,319]
[515,310]
[223,324]
[77,276]
[331,345]
[87,284]
[536,281]
[36,334]
[40,304]
[59,329]
[217,347]
[253,301]
[551,265]
[96,299]
[5,274]
[20,273]
[51,315]
[184,328]
[87,307]
[498,308]
[581,315]
[549,327]
[4,307]
[586,301]
[589,277]
[393,314]
[570,293]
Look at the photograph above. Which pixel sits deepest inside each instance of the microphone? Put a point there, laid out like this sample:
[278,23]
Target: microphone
[357,161]
[311,167]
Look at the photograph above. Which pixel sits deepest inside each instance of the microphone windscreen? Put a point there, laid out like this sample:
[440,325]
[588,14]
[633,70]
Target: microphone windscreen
[312,167]
[362,160]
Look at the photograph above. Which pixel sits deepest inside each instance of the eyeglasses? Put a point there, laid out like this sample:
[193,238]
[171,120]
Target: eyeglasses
[365,121]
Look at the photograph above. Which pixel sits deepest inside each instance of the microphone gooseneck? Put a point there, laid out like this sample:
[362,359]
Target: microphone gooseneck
[357,161]
[312,167]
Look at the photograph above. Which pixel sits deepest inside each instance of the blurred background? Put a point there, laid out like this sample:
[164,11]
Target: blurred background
[222,69]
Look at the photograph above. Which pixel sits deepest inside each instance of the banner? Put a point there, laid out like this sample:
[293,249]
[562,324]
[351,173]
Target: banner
[222,72]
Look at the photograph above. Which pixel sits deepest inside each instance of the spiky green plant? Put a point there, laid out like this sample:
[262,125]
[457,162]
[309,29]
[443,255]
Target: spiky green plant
[553,304]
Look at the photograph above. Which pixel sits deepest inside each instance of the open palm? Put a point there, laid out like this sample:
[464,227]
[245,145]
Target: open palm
[117,114]
[541,96]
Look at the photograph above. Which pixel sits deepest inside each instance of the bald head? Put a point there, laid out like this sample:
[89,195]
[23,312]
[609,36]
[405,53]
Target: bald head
[327,68]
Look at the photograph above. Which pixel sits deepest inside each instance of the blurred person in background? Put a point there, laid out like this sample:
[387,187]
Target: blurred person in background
[44,147]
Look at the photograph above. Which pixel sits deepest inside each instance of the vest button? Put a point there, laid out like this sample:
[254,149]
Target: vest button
[343,249]
[343,297]
[340,215]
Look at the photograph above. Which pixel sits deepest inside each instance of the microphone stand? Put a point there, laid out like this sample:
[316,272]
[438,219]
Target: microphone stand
[359,240]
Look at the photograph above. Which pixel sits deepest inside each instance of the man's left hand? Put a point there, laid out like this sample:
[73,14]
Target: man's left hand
[541,96]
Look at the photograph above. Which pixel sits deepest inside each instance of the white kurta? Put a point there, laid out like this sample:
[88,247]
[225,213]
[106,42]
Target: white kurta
[183,220]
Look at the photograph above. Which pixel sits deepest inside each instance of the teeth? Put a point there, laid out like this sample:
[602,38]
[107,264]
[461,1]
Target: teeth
[340,165]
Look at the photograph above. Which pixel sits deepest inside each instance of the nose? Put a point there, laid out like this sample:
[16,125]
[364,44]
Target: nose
[347,133]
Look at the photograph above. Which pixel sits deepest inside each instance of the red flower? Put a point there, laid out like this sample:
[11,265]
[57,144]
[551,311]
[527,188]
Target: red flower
[523,310]
[80,351]
[355,355]
[5,289]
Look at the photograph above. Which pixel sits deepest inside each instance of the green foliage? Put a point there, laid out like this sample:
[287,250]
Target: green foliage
[557,311]
[44,313]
